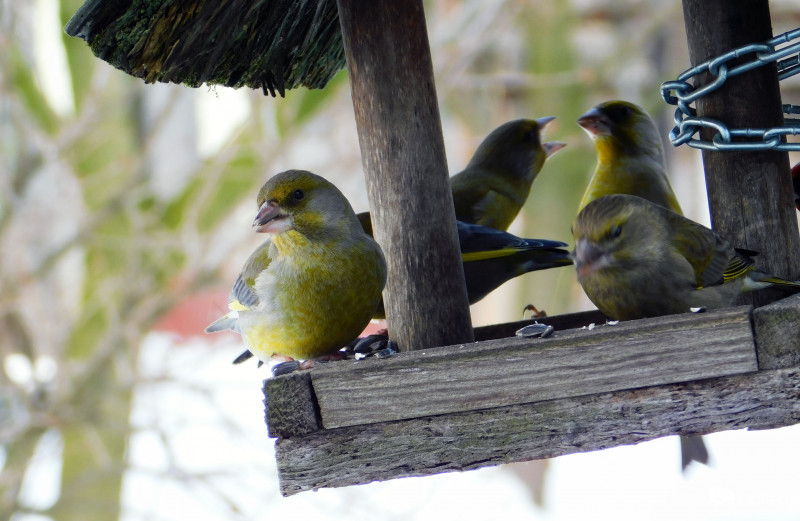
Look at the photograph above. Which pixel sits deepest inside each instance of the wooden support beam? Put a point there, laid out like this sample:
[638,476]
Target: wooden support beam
[749,193]
[469,440]
[402,150]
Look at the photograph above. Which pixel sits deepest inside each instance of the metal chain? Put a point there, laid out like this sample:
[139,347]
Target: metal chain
[682,94]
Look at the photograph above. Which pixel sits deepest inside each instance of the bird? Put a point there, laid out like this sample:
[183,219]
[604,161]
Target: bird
[630,157]
[796,184]
[637,259]
[492,257]
[490,192]
[312,286]
[496,182]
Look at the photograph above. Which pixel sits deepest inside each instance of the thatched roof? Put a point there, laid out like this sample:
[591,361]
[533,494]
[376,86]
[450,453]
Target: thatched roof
[272,45]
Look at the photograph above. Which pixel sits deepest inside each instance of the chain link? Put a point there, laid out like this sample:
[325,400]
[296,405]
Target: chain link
[681,93]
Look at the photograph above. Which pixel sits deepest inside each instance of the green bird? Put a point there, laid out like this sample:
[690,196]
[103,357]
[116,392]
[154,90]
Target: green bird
[636,259]
[311,287]
[630,157]
[490,192]
[494,186]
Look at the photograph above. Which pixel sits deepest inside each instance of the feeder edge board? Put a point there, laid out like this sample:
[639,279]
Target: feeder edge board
[516,370]
[465,441]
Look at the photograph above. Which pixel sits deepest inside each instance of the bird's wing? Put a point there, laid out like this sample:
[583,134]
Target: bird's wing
[486,198]
[711,256]
[481,242]
[740,264]
[242,295]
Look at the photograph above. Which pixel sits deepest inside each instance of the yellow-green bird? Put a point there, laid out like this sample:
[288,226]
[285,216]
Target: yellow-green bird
[496,182]
[490,192]
[314,284]
[637,259]
[630,157]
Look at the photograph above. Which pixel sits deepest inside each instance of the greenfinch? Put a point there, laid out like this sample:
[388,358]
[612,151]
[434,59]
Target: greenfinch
[489,193]
[315,282]
[637,259]
[492,257]
[630,158]
[494,186]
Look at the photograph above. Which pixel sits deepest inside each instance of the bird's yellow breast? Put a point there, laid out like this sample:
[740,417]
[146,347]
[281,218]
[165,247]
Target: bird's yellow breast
[314,298]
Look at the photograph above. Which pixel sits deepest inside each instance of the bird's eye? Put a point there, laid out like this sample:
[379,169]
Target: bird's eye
[298,195]
[615,232]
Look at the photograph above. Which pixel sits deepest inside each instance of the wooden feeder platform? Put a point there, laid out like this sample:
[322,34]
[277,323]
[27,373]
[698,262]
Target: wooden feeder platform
[515,399]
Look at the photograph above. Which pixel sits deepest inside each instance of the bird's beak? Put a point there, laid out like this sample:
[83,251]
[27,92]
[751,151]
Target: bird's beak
[551,147]
[543,122]
[269,218]
[588,258]
[594,122]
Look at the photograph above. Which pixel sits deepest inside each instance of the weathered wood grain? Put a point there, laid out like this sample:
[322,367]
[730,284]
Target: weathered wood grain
[464,441]
[290,407]
[510,371]
[749,192]
[777,333]
[402,149]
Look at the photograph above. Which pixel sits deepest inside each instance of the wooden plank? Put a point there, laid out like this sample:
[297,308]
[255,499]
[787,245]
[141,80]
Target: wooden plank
[511,371]
[464,441]
[402,149]
[777,333]
[749,193]
[290,406]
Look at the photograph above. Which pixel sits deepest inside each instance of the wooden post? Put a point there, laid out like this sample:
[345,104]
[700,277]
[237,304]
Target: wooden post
[749,193]
[402,150]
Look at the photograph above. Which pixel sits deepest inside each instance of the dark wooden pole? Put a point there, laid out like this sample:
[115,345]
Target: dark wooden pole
[749,193]
[402,150]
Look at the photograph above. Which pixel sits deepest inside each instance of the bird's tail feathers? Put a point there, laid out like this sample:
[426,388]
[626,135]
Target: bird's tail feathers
[227,322]
[758,280]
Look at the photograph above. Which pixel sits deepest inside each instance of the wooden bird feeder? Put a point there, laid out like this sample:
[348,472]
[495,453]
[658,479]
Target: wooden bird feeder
[503,398]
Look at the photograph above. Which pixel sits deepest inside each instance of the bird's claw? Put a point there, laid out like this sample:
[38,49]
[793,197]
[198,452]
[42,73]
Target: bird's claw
[390,349]
[536,313]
